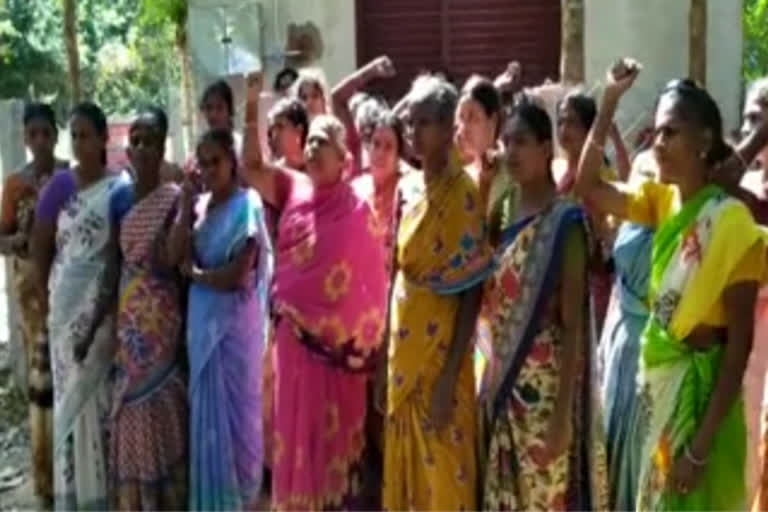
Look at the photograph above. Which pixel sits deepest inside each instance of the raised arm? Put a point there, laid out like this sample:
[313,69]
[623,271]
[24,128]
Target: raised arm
[380,67]
[605,197]
[255,171]
[623,164]
[729,173]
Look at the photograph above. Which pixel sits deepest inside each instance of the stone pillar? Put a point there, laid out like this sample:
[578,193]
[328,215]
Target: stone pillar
[697,42]
[572,42]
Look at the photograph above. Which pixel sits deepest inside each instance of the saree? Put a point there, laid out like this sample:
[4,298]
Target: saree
[226,333]
[82,284]
[520,336]
[330,298]
[20,193]
[441,252]
[697,253]
[619,353]
[148,441]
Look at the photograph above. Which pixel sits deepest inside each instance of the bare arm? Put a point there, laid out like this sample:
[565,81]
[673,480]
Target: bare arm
[42,250]
[381,67]
[623,165]
[739,302]
[177,245]
[730,172]
[255,171]
[603,196]
[231,277]
[573,294]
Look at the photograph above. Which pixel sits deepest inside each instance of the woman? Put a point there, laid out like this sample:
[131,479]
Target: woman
[478,118]
[82,287]
[329,298]
[20,193]
[620,349]
[707,260]
[545,450]
[217,106]
[148,438]
[288,124]
[312,89]
[441,255]
[229,264]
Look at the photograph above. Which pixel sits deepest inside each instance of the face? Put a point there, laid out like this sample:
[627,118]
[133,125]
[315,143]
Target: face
[40,137]
[755,112]
[145,150]
[216,113]
[88,145]
[475,130]
[286,137]
[324,160]
[215,166]
[527,158]
[676,146]
[311,95]
[384,150]
[571,133]
[428,134]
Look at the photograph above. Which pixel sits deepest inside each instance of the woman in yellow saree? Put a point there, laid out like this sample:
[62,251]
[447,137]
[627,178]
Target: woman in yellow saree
[707,259]
[441,256]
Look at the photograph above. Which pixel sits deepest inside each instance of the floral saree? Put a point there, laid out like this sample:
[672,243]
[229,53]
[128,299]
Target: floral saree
[330,296]
[82,284]
[696,253]
[520,338]
[226,333]
[148,441]
[441,252]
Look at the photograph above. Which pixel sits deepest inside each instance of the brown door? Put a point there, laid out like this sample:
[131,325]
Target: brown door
[459,37]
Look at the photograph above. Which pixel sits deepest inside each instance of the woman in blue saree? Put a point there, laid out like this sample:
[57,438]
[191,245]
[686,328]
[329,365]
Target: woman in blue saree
[230,267]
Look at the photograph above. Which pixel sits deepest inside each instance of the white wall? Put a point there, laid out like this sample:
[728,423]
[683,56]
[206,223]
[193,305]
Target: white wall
[656,33]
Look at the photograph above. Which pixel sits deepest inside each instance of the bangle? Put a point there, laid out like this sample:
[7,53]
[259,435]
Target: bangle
[692,459]
[594,144]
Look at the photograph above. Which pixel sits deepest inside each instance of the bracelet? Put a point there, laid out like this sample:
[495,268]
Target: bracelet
[692,459]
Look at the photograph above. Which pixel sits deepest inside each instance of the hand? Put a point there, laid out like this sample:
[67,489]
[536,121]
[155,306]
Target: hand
[382,67]
[443,400]
[255,84]
[509,80]
[684,476]
[189,269]
[189,189]
[558,439]
[621,76]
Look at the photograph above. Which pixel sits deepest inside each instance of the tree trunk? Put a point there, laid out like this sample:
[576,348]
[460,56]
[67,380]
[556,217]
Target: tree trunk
[697,42]
[70,41]
[188,110]
[572,42]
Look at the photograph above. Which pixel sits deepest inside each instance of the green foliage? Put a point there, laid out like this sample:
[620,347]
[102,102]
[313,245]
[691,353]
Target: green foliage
[755,39]
[126,57]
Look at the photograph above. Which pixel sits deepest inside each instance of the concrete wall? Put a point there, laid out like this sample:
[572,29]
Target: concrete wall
[656,33]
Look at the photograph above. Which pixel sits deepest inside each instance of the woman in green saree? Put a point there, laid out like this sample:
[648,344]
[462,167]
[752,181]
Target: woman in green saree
[708,258]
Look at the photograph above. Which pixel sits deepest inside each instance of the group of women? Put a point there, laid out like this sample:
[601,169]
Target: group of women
[395,318]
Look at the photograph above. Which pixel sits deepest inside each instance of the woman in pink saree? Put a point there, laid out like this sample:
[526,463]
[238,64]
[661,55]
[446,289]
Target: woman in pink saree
[330,301]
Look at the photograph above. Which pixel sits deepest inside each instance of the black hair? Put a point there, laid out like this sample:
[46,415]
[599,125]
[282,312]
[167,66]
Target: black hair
[223,139]
[583,106]
[695,105]
[484,92]
[388,119]
[154,116]
[42,111]
[535,119]
[98,120]
[295,112]
[219,89]
[285,74]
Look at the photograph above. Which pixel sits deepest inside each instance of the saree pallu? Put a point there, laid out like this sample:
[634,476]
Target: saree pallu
[226,333]
[148,442]
[330,295]
[756,400]
[520,336]
[694,254]
[442,251]
[83,280]
[619,353]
